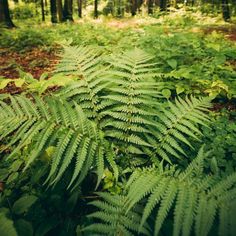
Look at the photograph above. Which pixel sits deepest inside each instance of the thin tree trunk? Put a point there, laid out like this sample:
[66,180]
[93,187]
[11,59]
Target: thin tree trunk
[225,10]
[59,10]
[150,7]
[67,11]
[53,9]
[5,19]
[162,5]
[42,10]
[95,9]
[80,4]
[134,5]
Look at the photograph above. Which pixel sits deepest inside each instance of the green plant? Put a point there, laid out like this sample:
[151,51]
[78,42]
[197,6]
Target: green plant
[193,197]
[125,100]
[220,139]
[23,11]
[113,217]
[24,39]
[28,84]
[75,137]
[192,63]
[110,118]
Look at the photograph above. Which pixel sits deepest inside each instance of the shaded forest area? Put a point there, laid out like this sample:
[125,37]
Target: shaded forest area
[117,117]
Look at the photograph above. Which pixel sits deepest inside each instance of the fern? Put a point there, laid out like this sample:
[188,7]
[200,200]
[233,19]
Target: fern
[133,100]
[124,100]
[85,64]
[110,219]
[177,123]
[40,123]
[195,199]
[198,201]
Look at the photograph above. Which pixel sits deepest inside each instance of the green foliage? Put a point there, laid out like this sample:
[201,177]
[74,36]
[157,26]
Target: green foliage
[220,139]
[23,204]
[28,84]
[23,11]
[193,63]
[125,100]
[76,140]
[6,224]
[112,114]
[23,39]
[113,218]
[197,200]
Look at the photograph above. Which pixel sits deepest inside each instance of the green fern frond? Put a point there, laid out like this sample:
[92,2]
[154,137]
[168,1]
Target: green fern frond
[120,223]
[133,95]
[84,63]
[196,205]
[40,123]
[178,123]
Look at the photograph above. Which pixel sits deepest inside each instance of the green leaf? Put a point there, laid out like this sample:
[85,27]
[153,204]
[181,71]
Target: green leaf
[3,174]
[16,165]
[6,224]
[19,82]
[4,83]
[24,228]
[166,93]
[46,226]
[179,89]
[23,204]
[12,177]
[214,165]
[172,63]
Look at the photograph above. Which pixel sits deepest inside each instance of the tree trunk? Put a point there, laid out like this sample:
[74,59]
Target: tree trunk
[80,4]
[162,5]
[225,10]
[95,9]
[134,6]
[150,7]
[67,11]
[5,19]
[42,10]
[53,9]
[59,10]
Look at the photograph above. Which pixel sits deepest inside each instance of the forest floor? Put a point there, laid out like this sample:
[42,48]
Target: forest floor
[37,60]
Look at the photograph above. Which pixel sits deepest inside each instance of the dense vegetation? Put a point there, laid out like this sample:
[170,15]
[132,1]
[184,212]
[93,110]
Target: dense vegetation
[118,126]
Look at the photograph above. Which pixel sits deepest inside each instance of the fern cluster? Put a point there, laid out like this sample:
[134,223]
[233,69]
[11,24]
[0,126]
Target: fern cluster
[124,99]
[42,123]
[196,200]
[114,109]
[112,106]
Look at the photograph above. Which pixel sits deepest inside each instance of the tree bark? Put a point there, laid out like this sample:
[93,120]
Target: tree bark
[60,10]
[80,4]
[67,11]
[42,10]
[225,10]
[95,9]
[5,19]
[134,6]
[162,5]
[53,9]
